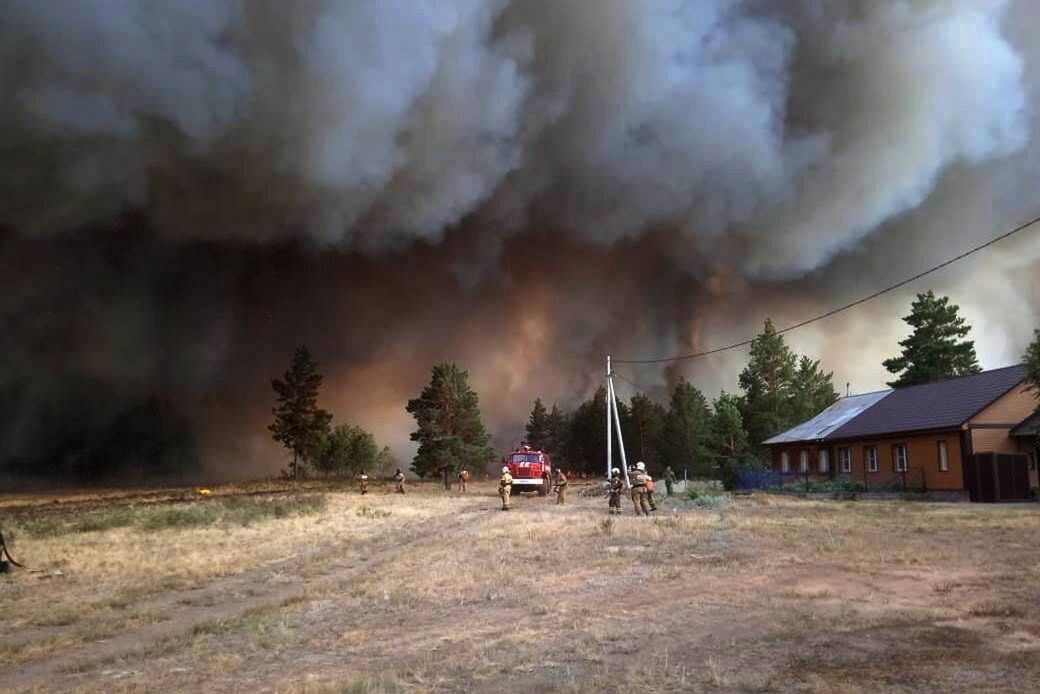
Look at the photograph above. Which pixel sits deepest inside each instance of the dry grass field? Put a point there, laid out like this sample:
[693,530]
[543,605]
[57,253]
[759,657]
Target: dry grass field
[318,589]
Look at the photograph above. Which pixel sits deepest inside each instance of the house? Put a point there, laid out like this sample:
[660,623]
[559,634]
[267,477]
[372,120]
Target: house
[932,436]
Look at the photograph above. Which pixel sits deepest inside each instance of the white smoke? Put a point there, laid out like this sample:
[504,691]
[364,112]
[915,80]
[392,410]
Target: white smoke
[801,127]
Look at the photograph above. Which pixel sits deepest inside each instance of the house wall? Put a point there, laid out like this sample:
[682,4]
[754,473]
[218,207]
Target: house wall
[794,451]
[1010,408]
[922,460]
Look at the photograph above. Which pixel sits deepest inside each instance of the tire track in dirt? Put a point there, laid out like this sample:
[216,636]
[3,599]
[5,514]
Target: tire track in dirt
[227,599]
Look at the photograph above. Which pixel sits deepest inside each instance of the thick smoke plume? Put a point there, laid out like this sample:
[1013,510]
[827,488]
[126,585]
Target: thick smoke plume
[191,188]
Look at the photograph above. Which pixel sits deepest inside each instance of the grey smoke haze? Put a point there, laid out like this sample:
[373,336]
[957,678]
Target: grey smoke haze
[290,171]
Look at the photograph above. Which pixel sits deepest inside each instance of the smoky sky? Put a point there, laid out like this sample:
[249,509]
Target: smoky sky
[190,189]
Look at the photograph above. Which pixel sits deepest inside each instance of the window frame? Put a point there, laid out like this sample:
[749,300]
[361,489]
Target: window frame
[785,461]
[897,464]
[823,461]
[943,455]
[845,456]
[870,461]
[803,460]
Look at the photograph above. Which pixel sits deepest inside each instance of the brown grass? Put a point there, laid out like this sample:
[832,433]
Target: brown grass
[437,592]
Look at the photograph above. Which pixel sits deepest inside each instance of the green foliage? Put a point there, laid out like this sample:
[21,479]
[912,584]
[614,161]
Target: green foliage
[538,431]
[727,439]
[767,382]
[643,426]
[812,391]
[697,500]
[780,390]
[299,424]
[346,450]
[450,433]
[936,348]
[685,429]
[1031,359]
[587,448]
[559,436]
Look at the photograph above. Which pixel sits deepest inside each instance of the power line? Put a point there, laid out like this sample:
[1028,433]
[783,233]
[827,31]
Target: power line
[846,307]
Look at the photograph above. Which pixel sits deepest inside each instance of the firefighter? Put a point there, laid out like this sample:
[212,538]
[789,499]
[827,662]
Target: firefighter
[399,479]
[363,481]
[639,500]
[649,489]
[617,485]
[669,480]
[560,487]
[463,479]
[505,487]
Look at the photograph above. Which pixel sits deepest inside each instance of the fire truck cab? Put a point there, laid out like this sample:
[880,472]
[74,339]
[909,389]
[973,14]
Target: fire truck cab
[531,470]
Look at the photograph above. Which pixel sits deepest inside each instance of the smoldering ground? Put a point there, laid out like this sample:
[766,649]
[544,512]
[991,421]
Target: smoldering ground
[191,189]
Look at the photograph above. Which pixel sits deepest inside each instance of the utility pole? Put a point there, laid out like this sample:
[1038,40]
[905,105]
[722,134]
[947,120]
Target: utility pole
[612,406]
[609,435]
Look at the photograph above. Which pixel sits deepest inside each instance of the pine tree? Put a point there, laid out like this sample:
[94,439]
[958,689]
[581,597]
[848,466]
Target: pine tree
[1031,359]
[450,432]
[812,391]
[642,428]
[538,431]
[936,348]
[682,440]
[587,449]
[298,423]
[767,382]
[559,436]
[729,445]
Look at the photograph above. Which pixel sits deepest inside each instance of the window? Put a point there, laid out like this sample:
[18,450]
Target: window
[785,462]
[944,461]
[899,457]
[845,455]
[870,455]
[825,460]
[803,461]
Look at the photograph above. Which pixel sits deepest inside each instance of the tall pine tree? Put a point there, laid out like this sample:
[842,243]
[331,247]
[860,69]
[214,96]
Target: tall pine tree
[936,348]
[767,382]
[587,449]
[299,424]
[812,391]
[683,436]
[559,436]
[538,431]
[642,428]
[450,433]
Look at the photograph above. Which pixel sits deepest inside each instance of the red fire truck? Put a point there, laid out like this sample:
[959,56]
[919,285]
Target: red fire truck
[531,470]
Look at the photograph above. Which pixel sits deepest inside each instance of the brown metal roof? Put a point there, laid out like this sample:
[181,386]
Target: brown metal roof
[939,405]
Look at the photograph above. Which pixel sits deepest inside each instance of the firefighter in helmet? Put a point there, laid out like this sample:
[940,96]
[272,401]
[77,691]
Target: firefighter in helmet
[463,479]
[505,487]
[363,482]
[399,479]
[639,482]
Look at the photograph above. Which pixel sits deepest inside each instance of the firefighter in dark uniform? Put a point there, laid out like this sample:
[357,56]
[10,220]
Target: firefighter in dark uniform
[560,486]
[399,479]
[617,486]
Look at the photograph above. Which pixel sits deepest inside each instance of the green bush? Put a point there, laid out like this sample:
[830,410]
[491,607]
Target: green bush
[710,500]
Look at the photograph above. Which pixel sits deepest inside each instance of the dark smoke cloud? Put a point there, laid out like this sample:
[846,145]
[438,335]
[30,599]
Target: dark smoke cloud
[191,189]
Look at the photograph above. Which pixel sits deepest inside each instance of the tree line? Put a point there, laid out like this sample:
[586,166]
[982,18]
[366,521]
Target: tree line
[778,389]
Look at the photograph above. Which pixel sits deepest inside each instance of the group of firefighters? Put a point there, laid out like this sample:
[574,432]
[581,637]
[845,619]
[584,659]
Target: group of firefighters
[641,487]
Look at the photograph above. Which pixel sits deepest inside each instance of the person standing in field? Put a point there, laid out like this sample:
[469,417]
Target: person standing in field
[669,480]
[505,487]
[639,500]
[399,479]
[363,482]
[617,486]
[650,488]
[561,487]
[463,479]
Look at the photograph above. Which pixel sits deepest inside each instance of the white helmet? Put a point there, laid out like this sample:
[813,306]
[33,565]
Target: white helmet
[505,469]
[616,471]
[640,466]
